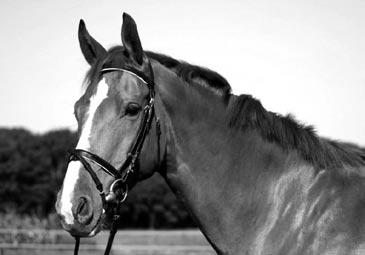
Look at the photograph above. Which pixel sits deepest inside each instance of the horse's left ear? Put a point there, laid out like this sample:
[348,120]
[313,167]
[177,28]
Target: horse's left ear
[131,40]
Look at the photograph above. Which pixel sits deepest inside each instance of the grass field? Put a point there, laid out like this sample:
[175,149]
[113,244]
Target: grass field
[56,242]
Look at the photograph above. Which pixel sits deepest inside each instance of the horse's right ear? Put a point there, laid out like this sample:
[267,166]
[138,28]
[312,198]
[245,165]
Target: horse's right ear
[89,46]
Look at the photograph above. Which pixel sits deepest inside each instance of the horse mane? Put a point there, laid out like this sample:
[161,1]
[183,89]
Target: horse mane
[194,74]
[246,112]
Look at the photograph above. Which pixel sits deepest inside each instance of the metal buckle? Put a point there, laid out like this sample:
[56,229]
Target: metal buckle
[125,194]
[111,197]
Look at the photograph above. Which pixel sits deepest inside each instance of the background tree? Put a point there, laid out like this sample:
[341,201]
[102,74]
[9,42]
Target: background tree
[32,168]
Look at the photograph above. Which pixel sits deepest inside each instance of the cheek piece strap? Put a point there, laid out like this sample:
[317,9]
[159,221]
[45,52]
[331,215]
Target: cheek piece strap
[118,190]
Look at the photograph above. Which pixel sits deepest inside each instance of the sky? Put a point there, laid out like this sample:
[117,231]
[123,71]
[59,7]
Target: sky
[306,58]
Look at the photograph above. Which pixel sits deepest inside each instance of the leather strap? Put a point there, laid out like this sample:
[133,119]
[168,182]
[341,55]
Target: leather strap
[77,245]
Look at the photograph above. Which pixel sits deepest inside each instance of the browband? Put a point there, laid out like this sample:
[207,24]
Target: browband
[109,69]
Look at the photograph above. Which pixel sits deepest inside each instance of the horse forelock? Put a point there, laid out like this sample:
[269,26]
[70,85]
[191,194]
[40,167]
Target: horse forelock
[93,75]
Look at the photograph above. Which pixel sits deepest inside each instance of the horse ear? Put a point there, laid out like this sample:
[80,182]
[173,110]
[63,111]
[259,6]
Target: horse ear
[89,46]
[131,40]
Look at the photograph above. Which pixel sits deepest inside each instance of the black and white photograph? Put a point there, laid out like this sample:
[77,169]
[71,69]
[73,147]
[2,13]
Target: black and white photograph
[167,127]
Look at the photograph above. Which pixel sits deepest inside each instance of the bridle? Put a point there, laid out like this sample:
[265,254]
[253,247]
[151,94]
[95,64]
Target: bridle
[118,190]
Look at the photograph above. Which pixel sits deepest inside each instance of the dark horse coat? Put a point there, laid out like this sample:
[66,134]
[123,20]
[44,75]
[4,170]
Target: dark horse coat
[255,182]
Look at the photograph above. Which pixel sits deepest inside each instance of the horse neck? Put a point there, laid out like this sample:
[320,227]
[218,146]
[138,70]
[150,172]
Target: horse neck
[213,169]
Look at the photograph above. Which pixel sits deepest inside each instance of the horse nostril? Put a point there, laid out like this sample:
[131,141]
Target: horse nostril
[82,208]
[83,213]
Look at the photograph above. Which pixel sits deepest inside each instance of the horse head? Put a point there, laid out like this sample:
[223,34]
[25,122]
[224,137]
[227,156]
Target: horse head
[118,140]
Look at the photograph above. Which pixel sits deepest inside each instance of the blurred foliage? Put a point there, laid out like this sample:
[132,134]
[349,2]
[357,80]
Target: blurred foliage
[13,220]
[32,168]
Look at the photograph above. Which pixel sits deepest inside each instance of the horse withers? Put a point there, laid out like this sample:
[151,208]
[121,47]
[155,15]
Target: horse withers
[254,181]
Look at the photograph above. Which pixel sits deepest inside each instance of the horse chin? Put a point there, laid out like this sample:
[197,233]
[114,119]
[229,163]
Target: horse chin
[104,222]
[100,225]
[95,231]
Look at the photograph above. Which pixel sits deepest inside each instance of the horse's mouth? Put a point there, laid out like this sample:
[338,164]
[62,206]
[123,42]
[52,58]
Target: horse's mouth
[96,230]
[78,230]
[100,225]
[104,222]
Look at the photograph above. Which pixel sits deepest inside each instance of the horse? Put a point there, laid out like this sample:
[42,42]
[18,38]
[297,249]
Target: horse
[254,181]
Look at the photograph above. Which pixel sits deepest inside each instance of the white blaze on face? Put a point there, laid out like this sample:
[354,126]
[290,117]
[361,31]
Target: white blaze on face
[73,168]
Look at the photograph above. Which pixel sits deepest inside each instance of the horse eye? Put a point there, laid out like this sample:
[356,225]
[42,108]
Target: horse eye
[132,109]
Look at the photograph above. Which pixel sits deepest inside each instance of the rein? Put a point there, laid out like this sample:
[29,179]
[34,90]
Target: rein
[118,190]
